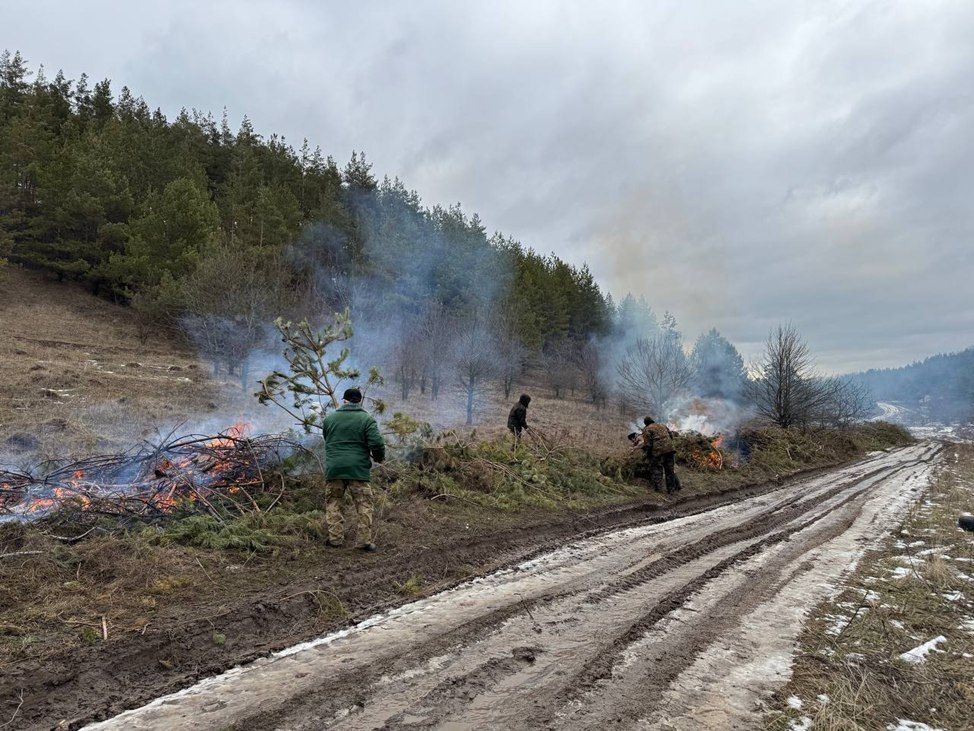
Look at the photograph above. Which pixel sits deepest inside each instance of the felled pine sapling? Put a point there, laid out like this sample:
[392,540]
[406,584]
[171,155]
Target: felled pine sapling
[317,371]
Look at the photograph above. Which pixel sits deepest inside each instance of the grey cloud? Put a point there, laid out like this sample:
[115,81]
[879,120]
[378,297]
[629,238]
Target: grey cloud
[737,163]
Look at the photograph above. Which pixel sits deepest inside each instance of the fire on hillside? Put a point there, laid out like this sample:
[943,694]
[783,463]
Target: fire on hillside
[218,475]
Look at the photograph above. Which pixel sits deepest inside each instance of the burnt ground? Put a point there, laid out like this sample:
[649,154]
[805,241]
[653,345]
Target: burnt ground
[235,620]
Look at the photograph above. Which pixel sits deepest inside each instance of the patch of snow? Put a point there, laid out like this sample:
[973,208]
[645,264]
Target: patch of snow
[871,596]
[802,724]
[795,702]
[908,560]
[953,596]
[901,572]
[840,622]
[917,543]
[907,725]
[823,699]
[919,654]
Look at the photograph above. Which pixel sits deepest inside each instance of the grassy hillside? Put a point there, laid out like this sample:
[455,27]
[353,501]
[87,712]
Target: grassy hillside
[74,375]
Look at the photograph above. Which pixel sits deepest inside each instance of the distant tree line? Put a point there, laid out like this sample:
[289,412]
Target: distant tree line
[940,387]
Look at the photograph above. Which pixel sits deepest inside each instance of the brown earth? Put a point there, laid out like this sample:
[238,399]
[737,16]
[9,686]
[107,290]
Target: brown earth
[681,623]
[77,378]
[243,615]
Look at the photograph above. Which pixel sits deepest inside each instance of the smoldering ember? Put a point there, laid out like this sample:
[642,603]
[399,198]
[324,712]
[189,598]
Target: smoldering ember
[673,432]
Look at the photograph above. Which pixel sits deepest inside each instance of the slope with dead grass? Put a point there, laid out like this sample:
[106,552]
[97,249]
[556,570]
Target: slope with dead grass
[75,376]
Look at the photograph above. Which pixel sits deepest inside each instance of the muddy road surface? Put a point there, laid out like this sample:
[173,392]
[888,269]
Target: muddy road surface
[684,624]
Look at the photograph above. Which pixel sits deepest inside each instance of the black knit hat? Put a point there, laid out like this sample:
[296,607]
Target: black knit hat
[648,420]
[353,396]
[525,399]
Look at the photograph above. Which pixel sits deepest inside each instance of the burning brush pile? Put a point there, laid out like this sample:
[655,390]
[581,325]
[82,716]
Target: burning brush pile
[223,475]
[700,452]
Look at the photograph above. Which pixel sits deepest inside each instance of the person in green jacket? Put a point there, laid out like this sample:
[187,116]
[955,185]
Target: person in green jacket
[352,443]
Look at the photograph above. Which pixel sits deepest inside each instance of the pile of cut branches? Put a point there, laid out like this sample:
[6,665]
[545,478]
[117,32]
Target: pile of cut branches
[222,476]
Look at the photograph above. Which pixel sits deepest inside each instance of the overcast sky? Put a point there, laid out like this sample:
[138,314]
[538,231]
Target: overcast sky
[738,163]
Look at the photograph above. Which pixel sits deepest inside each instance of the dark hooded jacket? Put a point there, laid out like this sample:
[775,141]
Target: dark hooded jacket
[517,420]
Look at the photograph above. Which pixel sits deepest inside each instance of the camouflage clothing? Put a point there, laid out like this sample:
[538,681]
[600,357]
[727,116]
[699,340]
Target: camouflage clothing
[362,498]
[657,440]
[661,457]
[662,472]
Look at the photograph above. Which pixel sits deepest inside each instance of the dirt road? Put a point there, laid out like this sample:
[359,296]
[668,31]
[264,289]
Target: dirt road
[683,624]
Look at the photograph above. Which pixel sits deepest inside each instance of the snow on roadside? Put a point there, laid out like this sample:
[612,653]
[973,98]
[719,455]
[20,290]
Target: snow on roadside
[919,654]
[906,725]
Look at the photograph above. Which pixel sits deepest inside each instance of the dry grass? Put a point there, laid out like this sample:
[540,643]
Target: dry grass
[73,586]
[917,587]
[74,375]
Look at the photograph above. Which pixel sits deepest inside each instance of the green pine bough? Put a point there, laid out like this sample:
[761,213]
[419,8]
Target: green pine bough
[316,374]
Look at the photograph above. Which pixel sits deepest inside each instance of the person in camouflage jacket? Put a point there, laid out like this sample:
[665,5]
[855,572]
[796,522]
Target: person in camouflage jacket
[660,455]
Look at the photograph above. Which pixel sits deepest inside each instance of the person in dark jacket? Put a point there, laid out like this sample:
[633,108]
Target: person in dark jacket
[352,443]
[517,420]
[661,455]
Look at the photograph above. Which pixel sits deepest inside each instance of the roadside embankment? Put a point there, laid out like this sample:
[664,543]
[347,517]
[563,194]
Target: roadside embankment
[153,608]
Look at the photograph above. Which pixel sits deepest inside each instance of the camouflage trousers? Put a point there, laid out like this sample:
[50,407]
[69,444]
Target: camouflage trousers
[662,471]
[362,498]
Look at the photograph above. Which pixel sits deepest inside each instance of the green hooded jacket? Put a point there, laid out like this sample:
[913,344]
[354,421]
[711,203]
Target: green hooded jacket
[352,441]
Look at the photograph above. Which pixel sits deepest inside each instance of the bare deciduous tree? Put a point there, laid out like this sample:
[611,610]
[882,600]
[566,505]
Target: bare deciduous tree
[436,340]
[560,370]
[512,355]
[788,391]
[849,401]
[229,301]
[512,358]
[654,373]
[474,363]
[408,356]
[589,361]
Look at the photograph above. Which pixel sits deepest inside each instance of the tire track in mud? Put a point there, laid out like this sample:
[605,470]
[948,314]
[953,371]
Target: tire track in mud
[440,703]
[758,591]
[140,668]
[776,515]
[526,644]
[779,514]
